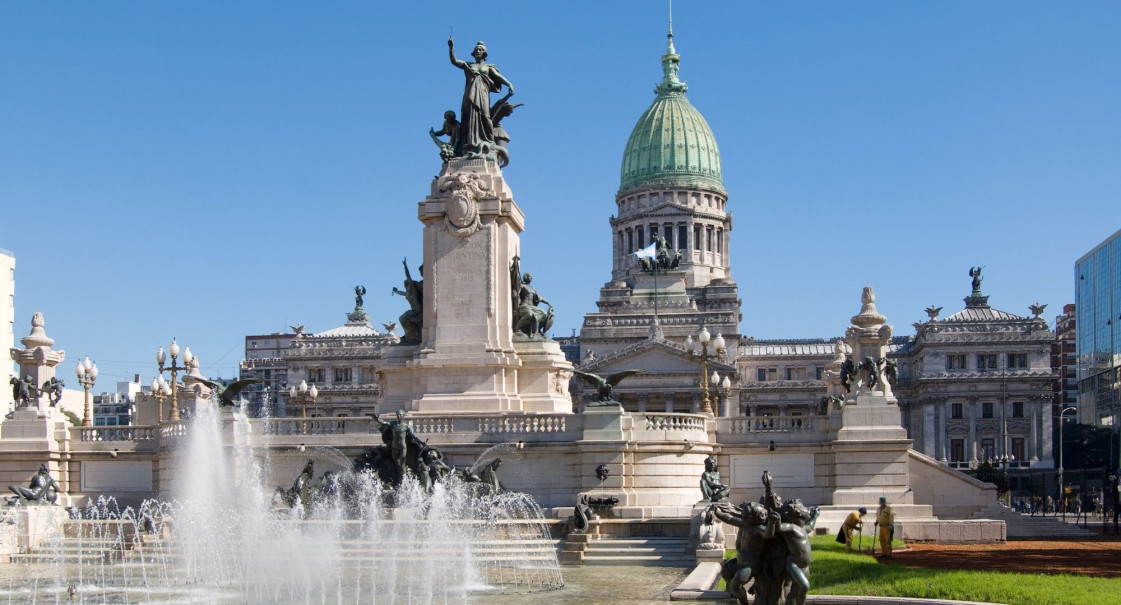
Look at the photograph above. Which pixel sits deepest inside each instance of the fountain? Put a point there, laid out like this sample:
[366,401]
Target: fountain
[223,539]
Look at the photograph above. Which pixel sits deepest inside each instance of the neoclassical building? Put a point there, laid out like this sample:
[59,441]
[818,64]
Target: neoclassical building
[978,385]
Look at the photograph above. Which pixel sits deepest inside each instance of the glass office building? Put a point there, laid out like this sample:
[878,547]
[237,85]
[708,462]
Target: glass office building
[1097,282]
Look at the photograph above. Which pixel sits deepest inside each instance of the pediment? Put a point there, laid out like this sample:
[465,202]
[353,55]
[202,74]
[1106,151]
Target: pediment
[656,357]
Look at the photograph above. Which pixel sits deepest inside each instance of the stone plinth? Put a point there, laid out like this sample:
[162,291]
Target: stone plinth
[468,359]
[37,360]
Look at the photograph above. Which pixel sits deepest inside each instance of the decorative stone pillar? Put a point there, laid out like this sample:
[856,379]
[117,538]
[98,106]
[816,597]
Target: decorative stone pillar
[669,402]
[642,397]
[696,403]
[943,434]
[37,361]
[1033,447]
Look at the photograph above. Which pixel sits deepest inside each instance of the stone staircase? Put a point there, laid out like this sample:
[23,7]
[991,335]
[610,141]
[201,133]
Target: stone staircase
[647,551]
[86,542]
[1039,527]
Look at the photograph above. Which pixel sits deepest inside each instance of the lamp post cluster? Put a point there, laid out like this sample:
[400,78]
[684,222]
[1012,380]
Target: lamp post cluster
[164,390]
[87,375]
[303,394]
[700,349]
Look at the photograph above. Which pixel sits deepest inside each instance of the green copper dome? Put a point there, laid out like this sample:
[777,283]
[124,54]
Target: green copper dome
[671,145]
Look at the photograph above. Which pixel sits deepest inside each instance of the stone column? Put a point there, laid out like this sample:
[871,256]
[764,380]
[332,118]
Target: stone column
[942,432]
[669,402]
[928,428]
[696,403]
[971,413]
[642,403]
[1033,446]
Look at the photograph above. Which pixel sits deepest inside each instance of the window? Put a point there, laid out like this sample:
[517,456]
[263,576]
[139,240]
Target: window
[956,411]
[708,239]
[957,450]
[986,361]
[988,449]
[796,373]
[669,236]
[1018,449]
[772,373]
[630,241]
[720,241]
[955,362]
[641,238]
[761,374]
[696,237]
[622,242]
[653,233]
[1017,409]
[682,236]
[818,372]
[790,373]
[1017,361]
[342,374]
[317,375]
[987,409]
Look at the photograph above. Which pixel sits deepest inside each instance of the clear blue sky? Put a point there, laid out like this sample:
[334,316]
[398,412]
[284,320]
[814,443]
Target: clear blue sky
[207,170]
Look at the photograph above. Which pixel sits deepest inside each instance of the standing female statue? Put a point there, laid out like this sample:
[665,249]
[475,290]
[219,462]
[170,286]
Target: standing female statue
[476,130]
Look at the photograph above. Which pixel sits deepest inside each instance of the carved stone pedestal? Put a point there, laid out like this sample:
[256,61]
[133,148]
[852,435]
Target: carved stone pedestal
[467,359]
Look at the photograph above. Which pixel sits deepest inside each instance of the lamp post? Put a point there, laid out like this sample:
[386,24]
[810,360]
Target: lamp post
[303,394]
[1062,491]
[160,391]
[721,387]
[700,349]
[173,412]
[87,375]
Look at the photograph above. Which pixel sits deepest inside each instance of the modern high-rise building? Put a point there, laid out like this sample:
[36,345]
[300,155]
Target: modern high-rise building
[1097,299]
[7,324]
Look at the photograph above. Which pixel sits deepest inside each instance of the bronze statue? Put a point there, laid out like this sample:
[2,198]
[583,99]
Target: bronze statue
[359,292]
[756,527]
[490,475]
[23,391]
[300,492]
[772,548]
[711,486]
[412,320]
[53,389]
[529,320]
[664,258]
[227,395]
[975,273]
[397,435]
[450,129]
[476,126]
[41,489]
[604,386]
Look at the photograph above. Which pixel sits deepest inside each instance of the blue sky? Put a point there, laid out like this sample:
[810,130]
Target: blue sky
[207,170]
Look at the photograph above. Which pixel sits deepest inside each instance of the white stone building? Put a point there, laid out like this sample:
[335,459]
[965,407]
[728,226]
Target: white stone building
[7,324]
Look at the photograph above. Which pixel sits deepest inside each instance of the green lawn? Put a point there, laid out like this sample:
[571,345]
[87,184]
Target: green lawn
[837,572]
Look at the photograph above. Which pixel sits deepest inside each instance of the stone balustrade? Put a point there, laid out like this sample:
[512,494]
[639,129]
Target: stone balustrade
[113,433]
[671,427]
[743,429]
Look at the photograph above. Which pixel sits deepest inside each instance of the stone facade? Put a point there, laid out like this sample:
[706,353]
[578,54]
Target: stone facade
[7,324]
[977,386]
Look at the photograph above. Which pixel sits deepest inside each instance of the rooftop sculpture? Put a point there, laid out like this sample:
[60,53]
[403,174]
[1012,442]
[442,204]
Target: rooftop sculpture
[477,132]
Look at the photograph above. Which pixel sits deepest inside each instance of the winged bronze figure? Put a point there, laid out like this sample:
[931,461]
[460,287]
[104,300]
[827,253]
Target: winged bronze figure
[604,384]
[226,395]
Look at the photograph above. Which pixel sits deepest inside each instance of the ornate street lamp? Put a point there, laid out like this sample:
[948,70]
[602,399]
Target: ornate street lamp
[303,394]
[1062,489]
[173,412]
[700,349]
[87,375]
[160,391]
[721,387]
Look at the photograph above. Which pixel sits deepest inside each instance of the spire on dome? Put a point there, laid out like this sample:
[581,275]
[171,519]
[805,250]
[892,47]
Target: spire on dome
[670,63]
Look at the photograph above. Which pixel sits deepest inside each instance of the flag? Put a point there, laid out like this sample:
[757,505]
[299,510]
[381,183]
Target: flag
[647,252]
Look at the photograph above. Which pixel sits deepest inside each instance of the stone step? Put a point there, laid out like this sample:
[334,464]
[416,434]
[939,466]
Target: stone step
[651,560]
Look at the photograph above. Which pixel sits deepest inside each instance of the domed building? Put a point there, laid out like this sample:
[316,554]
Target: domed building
[670,271]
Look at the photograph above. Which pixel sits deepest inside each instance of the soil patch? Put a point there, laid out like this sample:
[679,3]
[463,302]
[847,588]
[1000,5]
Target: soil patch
[1098,557]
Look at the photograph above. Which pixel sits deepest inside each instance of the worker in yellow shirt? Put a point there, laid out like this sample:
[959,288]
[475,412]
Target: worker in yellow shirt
[885,520]
[853,522]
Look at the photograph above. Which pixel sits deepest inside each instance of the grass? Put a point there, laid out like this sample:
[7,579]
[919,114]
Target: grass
[837,572]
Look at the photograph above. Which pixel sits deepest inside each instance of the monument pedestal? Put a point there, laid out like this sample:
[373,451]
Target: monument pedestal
[467,360]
